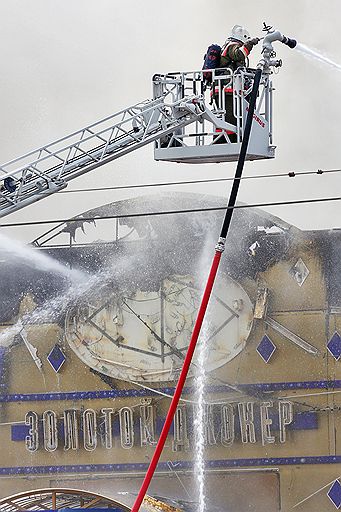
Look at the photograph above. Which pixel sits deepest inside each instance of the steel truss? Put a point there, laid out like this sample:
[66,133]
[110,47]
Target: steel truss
[47,170]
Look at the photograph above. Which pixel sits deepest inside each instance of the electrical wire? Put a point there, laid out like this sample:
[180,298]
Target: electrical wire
[162,393]
[170,212]
[290,174]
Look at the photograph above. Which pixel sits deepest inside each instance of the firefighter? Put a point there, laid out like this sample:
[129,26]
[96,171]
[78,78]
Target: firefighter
[233,55]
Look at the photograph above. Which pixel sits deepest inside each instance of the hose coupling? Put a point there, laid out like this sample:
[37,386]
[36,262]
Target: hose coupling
[220,247]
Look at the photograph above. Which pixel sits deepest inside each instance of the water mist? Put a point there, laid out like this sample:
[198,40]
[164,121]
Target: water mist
[27,255]
[56,305]
[93,284]
[199,421]
[201,353]
[313,54]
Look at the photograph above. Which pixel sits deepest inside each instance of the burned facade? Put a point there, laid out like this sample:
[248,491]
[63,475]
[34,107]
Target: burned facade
[91,411]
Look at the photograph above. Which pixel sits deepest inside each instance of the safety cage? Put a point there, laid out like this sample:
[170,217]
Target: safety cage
[201,141]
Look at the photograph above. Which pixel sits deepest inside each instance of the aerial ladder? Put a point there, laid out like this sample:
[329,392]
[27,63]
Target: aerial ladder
[183,120]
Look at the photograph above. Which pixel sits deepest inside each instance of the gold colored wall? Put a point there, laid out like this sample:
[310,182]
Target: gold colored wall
[303,310]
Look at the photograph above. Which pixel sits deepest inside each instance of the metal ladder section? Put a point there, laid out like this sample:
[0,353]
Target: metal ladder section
[47,170]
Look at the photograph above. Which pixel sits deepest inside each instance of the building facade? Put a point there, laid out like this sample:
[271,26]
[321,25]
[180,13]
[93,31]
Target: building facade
[88,365]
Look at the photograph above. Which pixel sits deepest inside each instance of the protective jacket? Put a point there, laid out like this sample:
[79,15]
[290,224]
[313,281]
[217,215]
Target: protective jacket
[234,54]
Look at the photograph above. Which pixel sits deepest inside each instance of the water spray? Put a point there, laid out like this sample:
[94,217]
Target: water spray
[13,250]
[274,35]
[313,54]
[199,420]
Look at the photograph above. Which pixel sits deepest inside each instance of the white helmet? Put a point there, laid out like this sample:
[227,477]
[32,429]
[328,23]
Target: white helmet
[240,33]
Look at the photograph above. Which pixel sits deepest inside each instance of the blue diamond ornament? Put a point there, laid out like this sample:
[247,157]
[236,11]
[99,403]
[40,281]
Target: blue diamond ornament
[334,346]
[56,358]
[266,349]
[334,494]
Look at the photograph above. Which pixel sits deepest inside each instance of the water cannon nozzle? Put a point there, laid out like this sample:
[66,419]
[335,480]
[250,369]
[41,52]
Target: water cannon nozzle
[289,42]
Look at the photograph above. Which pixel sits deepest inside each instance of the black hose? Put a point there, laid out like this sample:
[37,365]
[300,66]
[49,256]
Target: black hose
[242,155]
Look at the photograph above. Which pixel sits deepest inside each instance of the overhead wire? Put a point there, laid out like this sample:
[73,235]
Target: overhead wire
[193,210]
[170,212]
[290,174]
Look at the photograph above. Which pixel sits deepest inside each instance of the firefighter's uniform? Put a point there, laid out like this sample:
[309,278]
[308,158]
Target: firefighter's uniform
[233,55]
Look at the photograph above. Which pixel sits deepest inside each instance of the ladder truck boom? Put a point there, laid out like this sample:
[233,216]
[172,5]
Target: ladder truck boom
[47,170]
[177,120]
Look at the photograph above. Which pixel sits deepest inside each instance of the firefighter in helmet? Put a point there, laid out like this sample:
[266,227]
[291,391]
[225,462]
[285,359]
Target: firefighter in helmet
[234,55]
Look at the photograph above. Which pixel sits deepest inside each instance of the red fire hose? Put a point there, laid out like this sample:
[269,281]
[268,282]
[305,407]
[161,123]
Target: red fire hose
[205,298]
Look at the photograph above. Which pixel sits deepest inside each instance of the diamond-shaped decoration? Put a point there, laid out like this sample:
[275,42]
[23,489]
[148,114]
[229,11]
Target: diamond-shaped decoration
[334,494]
[266,349]
[334,346]
[56,358]
[299,272]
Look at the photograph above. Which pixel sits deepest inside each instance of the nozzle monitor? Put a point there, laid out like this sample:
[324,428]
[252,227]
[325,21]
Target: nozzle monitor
[289,42]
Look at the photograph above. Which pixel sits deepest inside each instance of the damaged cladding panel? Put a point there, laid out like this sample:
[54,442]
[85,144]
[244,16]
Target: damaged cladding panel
[72,416]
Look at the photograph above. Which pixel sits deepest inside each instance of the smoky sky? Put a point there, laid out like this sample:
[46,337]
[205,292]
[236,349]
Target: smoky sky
[67,63]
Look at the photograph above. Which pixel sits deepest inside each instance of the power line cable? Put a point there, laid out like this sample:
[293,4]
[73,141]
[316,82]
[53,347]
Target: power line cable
[290,174]
[169,212]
